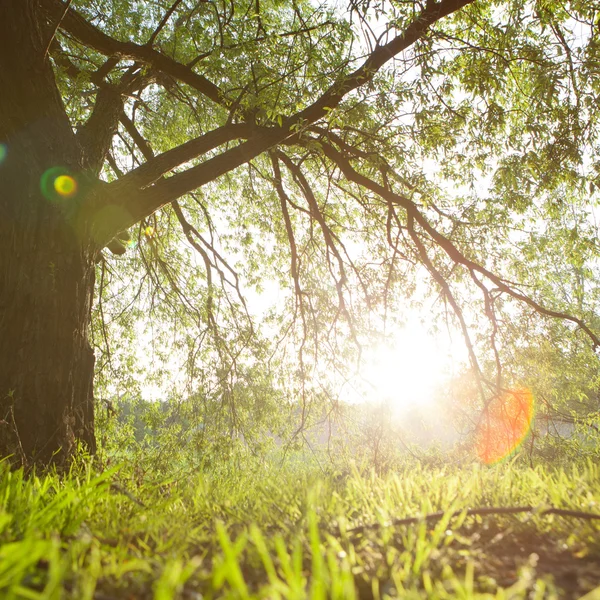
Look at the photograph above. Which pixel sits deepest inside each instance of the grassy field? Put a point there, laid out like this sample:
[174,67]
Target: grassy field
[252,530]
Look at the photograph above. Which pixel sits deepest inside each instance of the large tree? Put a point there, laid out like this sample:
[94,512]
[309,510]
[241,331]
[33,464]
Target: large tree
[345,128]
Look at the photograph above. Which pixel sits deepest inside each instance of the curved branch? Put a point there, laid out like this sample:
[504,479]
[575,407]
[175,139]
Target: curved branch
[317,214]
[445,287]
[139,205]
[92,37]
[188,230]
[284,200]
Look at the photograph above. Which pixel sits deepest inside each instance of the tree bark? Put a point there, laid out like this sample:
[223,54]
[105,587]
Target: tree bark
[46,258]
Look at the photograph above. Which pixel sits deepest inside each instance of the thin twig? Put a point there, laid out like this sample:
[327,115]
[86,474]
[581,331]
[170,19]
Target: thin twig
[56,27]
[119,490]
[163,22]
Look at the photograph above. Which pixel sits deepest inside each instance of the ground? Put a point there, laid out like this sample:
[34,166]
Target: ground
[256,529]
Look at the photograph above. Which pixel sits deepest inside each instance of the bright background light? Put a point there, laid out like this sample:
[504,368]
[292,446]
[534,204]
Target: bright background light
[408,369]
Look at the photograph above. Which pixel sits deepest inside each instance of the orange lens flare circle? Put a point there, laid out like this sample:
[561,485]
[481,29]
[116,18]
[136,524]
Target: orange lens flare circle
[504,425]
[57,184]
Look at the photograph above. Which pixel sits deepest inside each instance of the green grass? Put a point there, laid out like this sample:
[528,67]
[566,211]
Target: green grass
[256,531]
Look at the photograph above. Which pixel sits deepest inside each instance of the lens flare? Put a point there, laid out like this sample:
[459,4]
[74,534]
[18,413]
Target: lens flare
[149,232]
[65,186]
[504,425]
[57,184]
[3,152]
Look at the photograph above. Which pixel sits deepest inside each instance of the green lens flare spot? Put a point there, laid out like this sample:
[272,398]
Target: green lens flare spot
[3,152]
[57,184]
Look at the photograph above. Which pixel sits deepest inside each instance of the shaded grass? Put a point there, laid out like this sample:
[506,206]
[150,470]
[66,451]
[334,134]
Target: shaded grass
[252,530]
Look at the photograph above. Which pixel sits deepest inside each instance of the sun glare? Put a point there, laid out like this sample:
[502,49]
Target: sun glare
[407,369]
[504,425]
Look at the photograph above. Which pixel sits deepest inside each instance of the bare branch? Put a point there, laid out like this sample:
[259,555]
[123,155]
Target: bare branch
[55,29]
[283,198]
[487,510]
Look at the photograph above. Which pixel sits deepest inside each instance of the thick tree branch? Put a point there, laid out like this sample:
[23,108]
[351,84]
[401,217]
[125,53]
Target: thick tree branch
[91,36]
[137,204]
[96,135]
[155,168]
[139,140]
[433,12]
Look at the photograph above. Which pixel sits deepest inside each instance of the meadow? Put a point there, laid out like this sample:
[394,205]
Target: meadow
[247,528]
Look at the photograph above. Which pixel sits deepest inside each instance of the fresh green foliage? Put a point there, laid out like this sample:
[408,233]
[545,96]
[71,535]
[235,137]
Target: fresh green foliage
[261,530]
[486,126]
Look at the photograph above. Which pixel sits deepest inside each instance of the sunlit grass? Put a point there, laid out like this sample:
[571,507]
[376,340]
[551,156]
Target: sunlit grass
[261,532]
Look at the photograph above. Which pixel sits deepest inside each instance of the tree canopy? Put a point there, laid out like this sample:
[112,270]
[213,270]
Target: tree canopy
[347,153]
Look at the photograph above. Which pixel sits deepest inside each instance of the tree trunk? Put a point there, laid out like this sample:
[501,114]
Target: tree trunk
[46,258]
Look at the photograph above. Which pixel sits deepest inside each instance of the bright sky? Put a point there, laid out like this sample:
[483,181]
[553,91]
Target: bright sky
[406,370]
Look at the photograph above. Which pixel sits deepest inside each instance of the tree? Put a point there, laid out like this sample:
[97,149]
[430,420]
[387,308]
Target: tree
[112,111]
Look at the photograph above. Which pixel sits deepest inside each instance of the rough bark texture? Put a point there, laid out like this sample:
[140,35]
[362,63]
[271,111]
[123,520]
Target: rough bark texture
[46,262]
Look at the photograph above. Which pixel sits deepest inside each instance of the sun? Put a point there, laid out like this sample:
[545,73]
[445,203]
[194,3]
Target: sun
[407,369]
